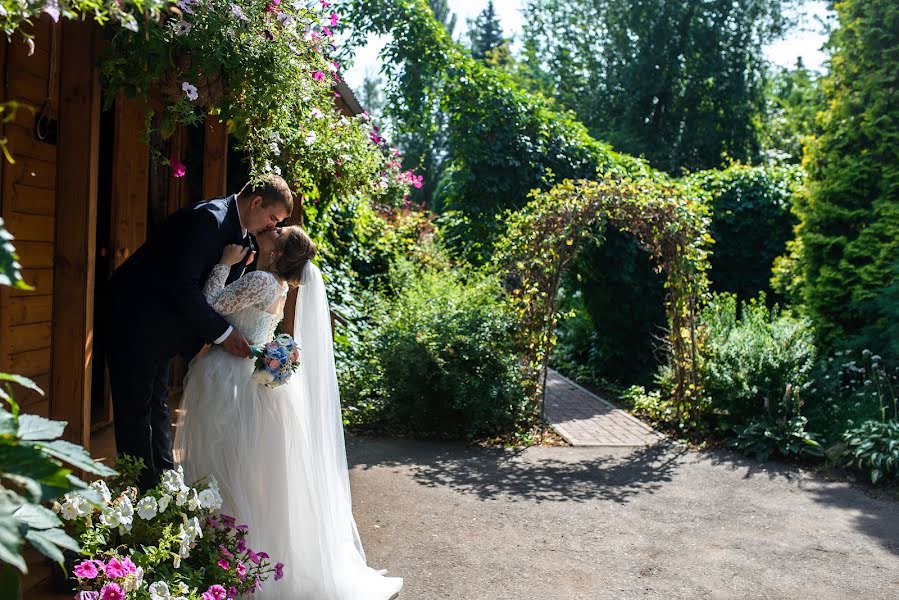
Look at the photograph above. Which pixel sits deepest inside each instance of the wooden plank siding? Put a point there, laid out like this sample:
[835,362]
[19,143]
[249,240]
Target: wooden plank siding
[76,231]
[28,205]
[130,171]
[215,159]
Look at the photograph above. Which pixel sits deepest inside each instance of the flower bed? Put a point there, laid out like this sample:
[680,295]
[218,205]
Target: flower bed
[172,543]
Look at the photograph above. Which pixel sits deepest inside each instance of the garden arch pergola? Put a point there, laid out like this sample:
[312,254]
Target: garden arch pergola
[668,218]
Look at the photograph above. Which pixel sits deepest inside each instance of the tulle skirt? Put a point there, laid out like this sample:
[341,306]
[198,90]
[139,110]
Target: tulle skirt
[258,444]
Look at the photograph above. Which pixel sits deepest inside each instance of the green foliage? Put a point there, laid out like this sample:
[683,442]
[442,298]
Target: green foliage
[626,305]
[253,67]
[794,98]
[32,471]
[485,34]
[749,358]
[16,13]
[679,82]
[786,436]
[752,223]
[849,388]
[501,141]
[444,351]
[873,448]
[849,223]
[659,411]
[10,269]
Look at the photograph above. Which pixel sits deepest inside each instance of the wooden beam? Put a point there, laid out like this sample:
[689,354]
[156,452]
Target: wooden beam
[215,159]
[130,173]
[76,230]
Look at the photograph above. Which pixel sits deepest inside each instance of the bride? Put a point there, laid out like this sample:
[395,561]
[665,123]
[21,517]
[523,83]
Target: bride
[278,454]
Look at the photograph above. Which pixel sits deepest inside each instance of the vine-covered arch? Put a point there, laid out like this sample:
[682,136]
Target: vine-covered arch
[668,218]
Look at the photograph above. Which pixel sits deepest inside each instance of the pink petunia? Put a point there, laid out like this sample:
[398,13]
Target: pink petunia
[334,19]
[327,32]
[254,558]
[241,546]
[224,564]
[116,569]
[262,555]
[129,566]
[112,591]
[228,520]
[217,592]
[86,570]
[232,593]
[225,551]
[241,571]
[178,167]
[318,75]
[87,596]
[279,571]
[325,3]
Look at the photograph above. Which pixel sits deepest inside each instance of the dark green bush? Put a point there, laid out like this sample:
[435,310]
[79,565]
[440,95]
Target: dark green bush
[749,358]
[439,358]
[751,224]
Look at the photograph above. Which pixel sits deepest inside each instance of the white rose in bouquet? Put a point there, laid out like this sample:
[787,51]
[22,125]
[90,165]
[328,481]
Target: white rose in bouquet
[263,377]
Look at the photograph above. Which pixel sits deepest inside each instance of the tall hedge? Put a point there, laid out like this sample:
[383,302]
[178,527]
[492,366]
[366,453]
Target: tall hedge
[752,222]
[850,221]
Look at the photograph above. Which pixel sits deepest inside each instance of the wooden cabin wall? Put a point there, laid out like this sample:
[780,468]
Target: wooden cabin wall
[28,205]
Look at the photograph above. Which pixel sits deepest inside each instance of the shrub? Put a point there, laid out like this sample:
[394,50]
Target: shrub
[780,430]
[873,447]
[751,224]
[748,360]
[849,388]
[441,357]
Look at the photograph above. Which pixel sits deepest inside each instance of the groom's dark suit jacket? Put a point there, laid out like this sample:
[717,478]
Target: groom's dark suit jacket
[157,304]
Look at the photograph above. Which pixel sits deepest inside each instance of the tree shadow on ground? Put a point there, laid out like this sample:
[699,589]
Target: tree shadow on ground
[877,518]
[519,475]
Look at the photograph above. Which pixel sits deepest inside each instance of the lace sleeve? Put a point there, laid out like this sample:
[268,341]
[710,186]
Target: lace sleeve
[257,288]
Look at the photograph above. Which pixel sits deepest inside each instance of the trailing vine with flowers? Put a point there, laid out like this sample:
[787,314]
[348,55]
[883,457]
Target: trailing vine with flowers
[264,69]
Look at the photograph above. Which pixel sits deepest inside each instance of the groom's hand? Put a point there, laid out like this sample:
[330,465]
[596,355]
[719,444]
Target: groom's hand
[237,345]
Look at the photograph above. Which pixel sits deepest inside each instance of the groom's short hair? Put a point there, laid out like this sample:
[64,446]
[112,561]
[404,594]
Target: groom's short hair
[272,188]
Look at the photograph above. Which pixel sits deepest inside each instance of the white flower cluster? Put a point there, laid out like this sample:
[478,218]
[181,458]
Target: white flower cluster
[160,591]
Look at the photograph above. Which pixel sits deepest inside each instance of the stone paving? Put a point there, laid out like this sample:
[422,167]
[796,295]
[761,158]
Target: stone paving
[584,419]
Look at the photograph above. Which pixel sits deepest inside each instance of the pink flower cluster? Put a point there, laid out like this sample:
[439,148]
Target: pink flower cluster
[411,178]
[116,570]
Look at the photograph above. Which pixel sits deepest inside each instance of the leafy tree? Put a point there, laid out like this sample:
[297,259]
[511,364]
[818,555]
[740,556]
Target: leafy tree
[794,97]
[443,15]
[680,82]
[849,229]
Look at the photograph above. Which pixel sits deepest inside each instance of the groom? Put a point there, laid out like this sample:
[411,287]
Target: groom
[158,310]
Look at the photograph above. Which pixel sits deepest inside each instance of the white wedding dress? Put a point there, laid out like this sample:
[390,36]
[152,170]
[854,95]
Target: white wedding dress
[278,454]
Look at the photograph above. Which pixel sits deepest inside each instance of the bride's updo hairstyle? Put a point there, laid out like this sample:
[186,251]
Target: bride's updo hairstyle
[297,249]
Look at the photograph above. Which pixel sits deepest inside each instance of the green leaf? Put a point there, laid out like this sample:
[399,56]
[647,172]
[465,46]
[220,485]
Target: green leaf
[35,427]
[23,381]
[11,541]
[76,456]
[48,542]
[36,516]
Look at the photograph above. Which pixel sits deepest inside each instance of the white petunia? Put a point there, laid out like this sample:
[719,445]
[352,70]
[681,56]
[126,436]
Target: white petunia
[210,498]
[173,480]
[310,138]
[147,508]
[181,498]
[190,90]
[102,490]
[193,501]
[237,11]
[110,518]
[160,591]
[181,588]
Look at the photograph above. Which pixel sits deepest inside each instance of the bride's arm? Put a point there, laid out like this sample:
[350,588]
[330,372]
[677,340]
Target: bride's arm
[253,289]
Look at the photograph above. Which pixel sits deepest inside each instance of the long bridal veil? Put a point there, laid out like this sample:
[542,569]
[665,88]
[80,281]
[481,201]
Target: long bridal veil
[326,550]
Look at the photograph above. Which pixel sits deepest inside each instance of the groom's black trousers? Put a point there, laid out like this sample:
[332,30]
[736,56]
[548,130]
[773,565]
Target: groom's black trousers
[143,423]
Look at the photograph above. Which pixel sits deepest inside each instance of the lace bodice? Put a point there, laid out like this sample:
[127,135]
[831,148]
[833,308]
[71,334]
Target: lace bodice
[253,304]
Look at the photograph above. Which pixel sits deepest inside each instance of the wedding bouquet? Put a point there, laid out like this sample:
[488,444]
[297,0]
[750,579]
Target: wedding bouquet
[172,543]
[276,361]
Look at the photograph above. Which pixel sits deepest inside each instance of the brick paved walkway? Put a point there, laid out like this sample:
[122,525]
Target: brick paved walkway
[585,419]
